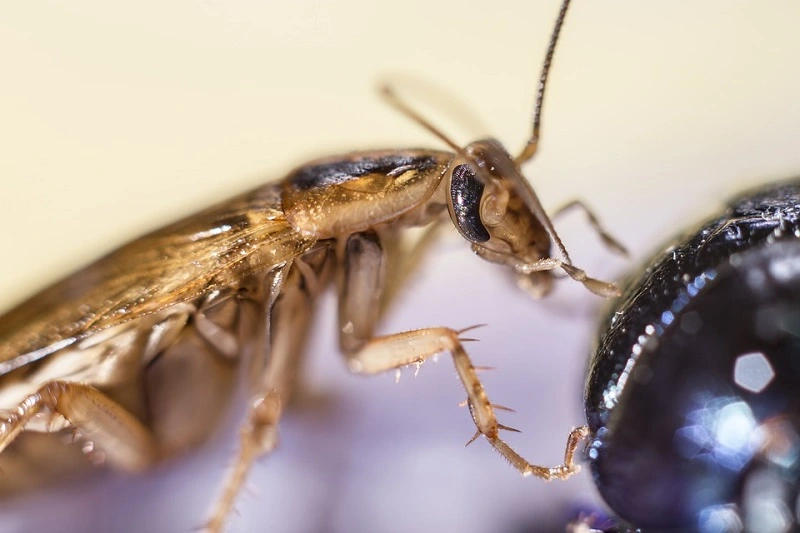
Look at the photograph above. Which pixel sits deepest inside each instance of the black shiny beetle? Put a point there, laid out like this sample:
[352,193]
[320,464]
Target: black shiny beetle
[693,395]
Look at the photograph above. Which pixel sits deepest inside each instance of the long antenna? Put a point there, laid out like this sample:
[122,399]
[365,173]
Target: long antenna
[401,106]
[530,148]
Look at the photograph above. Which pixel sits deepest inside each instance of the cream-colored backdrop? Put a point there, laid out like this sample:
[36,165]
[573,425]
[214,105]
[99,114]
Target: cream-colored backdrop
[116,118]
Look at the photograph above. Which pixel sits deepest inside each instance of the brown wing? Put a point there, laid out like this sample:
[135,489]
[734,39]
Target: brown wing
[208,251]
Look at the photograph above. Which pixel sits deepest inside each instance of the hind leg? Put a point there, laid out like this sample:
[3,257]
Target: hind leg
[106,427]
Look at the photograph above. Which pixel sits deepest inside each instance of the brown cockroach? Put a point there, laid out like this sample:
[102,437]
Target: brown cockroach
[235,286]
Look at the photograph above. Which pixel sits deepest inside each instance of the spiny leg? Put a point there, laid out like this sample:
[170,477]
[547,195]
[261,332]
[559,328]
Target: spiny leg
[359,292]
[286,305]
[258,437]
[108,426]
[255,437]
[392,352]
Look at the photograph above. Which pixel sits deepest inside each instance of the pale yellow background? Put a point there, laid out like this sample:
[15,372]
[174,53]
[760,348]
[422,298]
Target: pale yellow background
[118,117]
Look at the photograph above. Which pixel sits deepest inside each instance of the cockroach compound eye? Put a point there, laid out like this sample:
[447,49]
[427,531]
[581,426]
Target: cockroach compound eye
[693,395]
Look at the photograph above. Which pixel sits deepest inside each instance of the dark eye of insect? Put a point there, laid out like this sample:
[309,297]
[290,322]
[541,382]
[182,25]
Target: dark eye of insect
[465,193]
[693,398]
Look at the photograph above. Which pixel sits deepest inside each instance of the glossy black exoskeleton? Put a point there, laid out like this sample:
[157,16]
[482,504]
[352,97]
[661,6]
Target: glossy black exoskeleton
[693,395]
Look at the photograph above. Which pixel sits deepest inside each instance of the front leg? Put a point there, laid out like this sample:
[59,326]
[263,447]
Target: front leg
[360,293]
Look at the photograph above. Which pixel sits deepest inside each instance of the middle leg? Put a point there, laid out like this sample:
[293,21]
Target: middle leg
[361,281]
[282,308]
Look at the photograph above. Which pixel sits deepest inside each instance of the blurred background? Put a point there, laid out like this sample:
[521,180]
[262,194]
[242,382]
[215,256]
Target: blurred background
[118,118]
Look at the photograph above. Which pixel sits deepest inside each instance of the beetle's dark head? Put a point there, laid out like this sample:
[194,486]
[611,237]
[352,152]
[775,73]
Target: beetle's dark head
[490,205]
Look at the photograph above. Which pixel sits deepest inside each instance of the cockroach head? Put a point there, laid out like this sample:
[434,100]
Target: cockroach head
[486,206]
